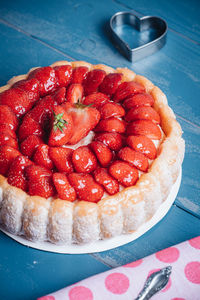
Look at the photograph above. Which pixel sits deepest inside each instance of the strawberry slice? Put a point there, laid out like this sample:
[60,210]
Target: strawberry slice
[84,160]
[111,109]
[96,99]
[41,157]
[6,129]
[63,75]
[124,173]
[110,184]
[60,95]
[64,189]
[138,99]
[111,125]
[142,144]
[75,93]
[7,155]
[29,127]
[16,176]
[79,74]
[144,127]
[30,144]
[7,139]
[102,152]
[134,158]
[30,86]
[113,140]
[47,79]
[8,117]
[39,181]
[85,186]
[61,158]
[143,112]
[93,80]
[127,89]
[62,127]
[110,83]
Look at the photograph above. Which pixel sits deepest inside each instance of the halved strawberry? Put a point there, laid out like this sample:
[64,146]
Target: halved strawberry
[110,184]
[79,74]
[42,158]
[93,80]
[7,155]
[111,125]
[6,129]
[143,112]
[144,127]
[8,117]
[134,158]
[85,186]
[60,95]
[84,160]
[113,140]
[30,144]
[138,99]
[62,127]
[64,189]
[124,173]
[96,99]
[75,93]
[61,158]
[111,109]
[31,86]
[142,144]
[103,153]
[63,75]
[7,139]
[110,83]
[127,89]
[39,181]
[29,127]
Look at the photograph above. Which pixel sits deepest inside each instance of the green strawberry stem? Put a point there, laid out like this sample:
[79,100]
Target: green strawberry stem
[81,105]
[58,122]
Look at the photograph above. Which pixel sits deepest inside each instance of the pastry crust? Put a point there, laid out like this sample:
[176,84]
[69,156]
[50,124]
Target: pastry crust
[63,222]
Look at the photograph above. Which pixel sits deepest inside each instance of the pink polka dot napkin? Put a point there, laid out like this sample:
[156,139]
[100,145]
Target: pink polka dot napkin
[127,281]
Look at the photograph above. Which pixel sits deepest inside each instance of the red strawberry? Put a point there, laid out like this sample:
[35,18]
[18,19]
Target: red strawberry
[30,144]
[6,129]
[111,139]
[127,89]
[74,93]
[16,176]
[138,99]
[79,74]
[8,117]
[7,155]
[124,173]
[29,127]
[41,157]
[85,186]
[93,80]
[31,86]
[39,181]
[64,189]
[110,184]
[111,109]
[144,127]
[111,125]
[143,112]
[110,83]
[134,158]
[47,79]
[7,139]
[62,127]
[60,95]
[96,99]
[61,158]
[103,153]
[63,75]
[142,144]
[84,160]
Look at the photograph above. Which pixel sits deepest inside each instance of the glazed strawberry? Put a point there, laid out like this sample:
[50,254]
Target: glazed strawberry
[47,79]
[30,144]
[110,184]
[39,181]
[7,155]
[143,112]
[42,158]
[144,127]
[134,158]
[79,74]
[142,144]
[111,125]
[102,152]
[124,173]
[138,99]
[29,127]
[111,109]
[63,75]
[64,189]
[127,89]
[61,158]
[113,140]
[110,83]
[85,186]
[96,99]
[74,93]
[93,80]
[6,129]
[84,160]
[62,127]
[7,139]
[8,117]
[31,86]
[16,176]
[60,95]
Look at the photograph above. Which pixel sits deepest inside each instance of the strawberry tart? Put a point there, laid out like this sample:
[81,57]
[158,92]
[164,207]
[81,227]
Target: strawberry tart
[87,152]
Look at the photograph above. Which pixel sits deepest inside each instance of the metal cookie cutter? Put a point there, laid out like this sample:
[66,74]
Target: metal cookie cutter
[141,24]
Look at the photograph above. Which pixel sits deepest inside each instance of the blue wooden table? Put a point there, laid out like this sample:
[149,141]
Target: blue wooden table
[37,33]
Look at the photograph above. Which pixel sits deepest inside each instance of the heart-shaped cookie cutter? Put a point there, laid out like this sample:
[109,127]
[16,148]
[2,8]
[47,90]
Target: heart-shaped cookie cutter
[140,23]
